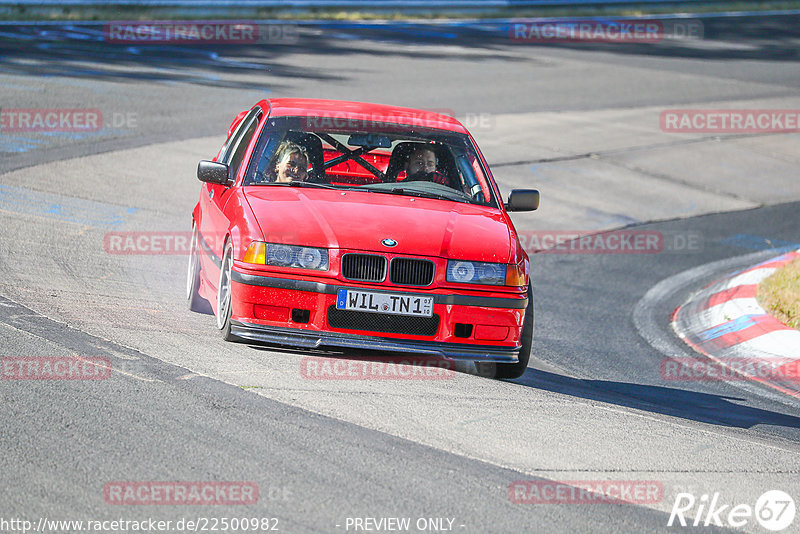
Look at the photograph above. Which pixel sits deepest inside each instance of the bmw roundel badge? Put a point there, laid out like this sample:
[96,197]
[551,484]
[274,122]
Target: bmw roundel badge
[389,242]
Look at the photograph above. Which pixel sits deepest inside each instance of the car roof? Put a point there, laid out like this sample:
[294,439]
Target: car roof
[361,111]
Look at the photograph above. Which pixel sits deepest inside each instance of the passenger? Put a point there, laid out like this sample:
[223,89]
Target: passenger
[421,165]
[292,163]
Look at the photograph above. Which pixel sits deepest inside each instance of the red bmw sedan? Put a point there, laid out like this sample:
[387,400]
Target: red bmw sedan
[341,224]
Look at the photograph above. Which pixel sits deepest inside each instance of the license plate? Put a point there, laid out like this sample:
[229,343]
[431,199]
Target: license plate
[393,304]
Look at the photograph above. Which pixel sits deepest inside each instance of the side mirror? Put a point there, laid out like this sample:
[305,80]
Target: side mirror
[523,200]
[212,172]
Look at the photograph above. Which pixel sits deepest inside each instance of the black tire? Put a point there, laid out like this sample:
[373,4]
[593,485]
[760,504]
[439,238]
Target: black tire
[196,302]
[224,298]
[514,370]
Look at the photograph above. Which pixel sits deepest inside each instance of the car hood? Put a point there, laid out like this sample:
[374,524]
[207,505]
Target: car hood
[359,220]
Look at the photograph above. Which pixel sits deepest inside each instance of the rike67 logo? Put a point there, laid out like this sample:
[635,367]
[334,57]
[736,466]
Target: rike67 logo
[774,510]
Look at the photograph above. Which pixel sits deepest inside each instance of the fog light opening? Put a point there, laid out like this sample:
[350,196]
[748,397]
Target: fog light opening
[462,330]
[300,315]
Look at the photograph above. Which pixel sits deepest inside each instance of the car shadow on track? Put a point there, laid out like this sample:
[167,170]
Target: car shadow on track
[692,405]
[448,367]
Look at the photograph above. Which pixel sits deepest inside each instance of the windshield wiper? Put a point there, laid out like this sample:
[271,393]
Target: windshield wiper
[305,184]
[421,194]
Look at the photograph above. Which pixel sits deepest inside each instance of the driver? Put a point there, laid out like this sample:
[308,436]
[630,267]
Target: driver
[421,165]
[292,163]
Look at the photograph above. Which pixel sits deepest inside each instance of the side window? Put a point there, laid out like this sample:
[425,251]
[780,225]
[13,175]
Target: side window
[233,129]
[230,143]
[273,132]
[241,142]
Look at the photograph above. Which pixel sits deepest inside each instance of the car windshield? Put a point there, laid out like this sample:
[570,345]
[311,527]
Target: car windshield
[377,157]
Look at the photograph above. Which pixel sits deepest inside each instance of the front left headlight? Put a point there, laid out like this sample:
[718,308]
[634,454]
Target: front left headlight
[474,272]
[287,256]
[495,274]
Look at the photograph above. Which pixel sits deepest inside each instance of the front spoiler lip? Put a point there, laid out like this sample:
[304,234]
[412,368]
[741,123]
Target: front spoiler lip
[312,339]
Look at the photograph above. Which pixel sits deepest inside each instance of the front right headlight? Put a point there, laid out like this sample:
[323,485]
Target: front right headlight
[294,256]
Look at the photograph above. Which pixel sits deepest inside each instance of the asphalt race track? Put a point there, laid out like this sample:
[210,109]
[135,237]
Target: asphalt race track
[579,121]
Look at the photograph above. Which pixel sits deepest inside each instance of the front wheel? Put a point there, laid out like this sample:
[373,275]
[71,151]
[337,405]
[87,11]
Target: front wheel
[224,299]
[514,370]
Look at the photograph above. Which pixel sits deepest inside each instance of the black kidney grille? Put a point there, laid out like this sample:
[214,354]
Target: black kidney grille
[378,322]
[411,272]
[364,267]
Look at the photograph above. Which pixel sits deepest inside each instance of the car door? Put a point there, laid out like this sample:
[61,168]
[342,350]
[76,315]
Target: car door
[214,224]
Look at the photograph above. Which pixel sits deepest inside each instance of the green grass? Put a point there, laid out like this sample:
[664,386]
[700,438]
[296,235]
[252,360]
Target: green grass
[780,294]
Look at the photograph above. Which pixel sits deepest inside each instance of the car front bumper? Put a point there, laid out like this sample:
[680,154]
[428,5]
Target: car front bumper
[264,306]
